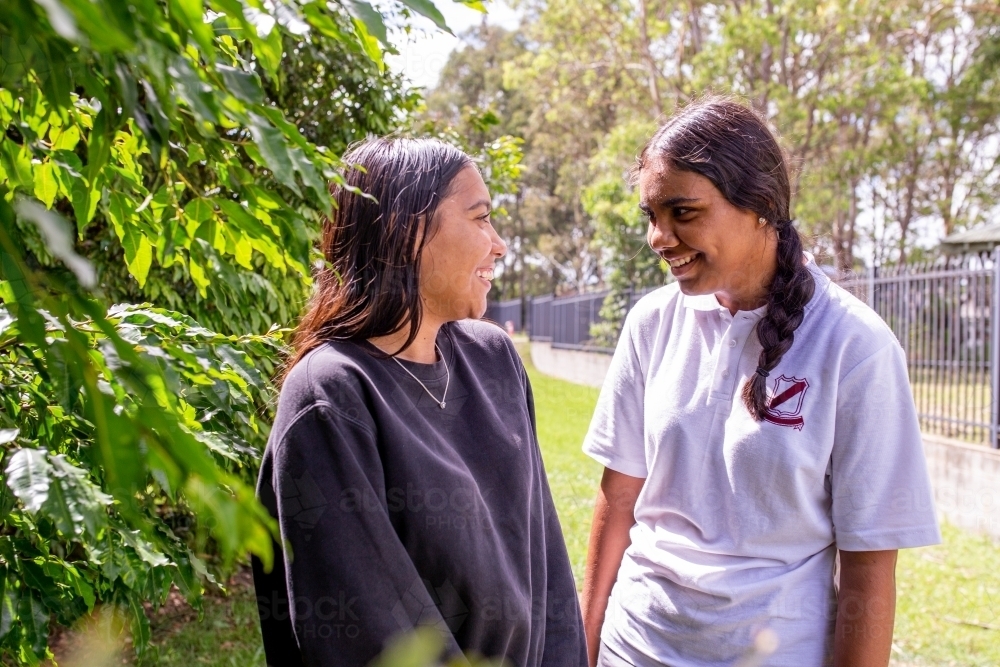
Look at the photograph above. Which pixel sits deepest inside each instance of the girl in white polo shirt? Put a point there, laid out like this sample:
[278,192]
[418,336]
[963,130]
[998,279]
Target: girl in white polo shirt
[756,421]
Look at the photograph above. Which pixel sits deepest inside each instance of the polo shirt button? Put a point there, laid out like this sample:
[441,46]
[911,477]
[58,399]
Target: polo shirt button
[732,343]
[725,374]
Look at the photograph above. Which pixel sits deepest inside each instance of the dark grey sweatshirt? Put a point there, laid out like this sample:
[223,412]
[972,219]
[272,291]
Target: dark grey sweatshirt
[399,513]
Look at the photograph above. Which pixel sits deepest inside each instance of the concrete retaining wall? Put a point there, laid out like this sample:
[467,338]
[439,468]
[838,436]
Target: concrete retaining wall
[966,481]
[966,478]
[577,366]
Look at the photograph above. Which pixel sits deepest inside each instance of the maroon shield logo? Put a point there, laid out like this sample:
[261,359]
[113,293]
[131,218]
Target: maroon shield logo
[785,406]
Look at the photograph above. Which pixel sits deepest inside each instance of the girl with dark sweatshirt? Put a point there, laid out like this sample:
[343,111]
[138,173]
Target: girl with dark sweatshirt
[403,466]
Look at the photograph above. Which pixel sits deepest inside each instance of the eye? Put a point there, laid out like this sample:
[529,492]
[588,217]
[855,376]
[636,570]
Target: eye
[681,211]
[485,219]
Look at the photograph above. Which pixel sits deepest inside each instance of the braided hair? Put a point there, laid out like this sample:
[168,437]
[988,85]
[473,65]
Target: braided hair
[732,147]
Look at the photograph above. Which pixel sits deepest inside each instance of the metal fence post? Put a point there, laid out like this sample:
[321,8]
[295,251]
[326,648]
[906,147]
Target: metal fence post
[871,287]
[995,350]
[526,314]
[905,314]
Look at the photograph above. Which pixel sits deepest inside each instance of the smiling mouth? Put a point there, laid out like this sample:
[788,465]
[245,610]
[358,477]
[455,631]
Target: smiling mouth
[681,261]
[485,274]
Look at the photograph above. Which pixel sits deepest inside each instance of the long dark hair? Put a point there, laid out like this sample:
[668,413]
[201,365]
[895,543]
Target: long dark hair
[369,284]
[731,146]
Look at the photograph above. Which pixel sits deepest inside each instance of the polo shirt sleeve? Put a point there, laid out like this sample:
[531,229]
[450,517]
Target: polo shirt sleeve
[880,489]
[616,435]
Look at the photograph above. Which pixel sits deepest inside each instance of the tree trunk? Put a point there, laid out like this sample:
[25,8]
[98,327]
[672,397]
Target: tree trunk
[652,71]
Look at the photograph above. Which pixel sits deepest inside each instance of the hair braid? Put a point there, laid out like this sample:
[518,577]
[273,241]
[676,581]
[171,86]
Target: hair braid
[788,295]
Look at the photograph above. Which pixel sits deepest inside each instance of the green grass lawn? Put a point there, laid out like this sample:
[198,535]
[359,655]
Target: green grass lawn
[948,609]
[948,602]
[563,413]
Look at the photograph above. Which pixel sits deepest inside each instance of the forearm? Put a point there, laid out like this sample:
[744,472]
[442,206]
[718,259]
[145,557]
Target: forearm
[866,609]
[614,516]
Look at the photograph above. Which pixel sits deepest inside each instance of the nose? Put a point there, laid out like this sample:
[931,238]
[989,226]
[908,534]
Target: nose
[499,248]
[661,236]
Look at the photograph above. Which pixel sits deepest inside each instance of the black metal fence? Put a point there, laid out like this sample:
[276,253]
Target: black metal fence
[941,312]
[503,312]
[566,321]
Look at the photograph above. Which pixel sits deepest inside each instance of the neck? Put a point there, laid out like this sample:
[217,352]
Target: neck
[421,350]
[746,300]
[753,292]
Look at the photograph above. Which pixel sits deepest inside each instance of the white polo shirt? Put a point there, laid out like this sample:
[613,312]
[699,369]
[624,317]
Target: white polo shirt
[738,522]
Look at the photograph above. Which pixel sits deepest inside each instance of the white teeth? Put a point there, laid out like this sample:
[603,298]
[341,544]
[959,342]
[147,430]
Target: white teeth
[674,263]
[486,274]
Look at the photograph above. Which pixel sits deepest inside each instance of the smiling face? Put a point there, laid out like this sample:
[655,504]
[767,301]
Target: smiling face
[457,263]
[712,246]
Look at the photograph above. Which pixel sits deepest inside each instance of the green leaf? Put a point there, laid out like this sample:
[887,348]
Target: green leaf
[56,232]
[243,85]
[67,139]
[139,624]
[30,324]
[191,15]
[312,179]
[370,17]
[273,147]
[65,373]
[142,260]
[198,276]
[195,154]
[104,31]
[326,25]
[419,648]
[16,161]
[75,503]
[46,185]
[268,49]
[85,199]
[243,251]
[428,9]
[198,210]
[138,249]
[60,19]
[34,623]
[98,145]
[29,477]
[262,239]
[195,92]
[117,447]
[8,605]
[369,44]
[146,551]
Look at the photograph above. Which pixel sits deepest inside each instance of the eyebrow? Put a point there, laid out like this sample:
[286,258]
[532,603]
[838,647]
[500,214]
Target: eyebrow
[667,203]
[482,202]
[674,201]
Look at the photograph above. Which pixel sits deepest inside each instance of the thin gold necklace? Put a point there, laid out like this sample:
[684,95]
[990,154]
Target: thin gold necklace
[447,381]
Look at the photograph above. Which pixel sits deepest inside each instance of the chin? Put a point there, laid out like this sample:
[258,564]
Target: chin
[693,288]
[473,310]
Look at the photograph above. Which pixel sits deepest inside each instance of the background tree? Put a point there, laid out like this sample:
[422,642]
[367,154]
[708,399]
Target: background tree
[473,100]
[887,110]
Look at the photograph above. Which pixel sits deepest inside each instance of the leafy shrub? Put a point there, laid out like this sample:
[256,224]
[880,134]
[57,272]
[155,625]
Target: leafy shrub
[141,139]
